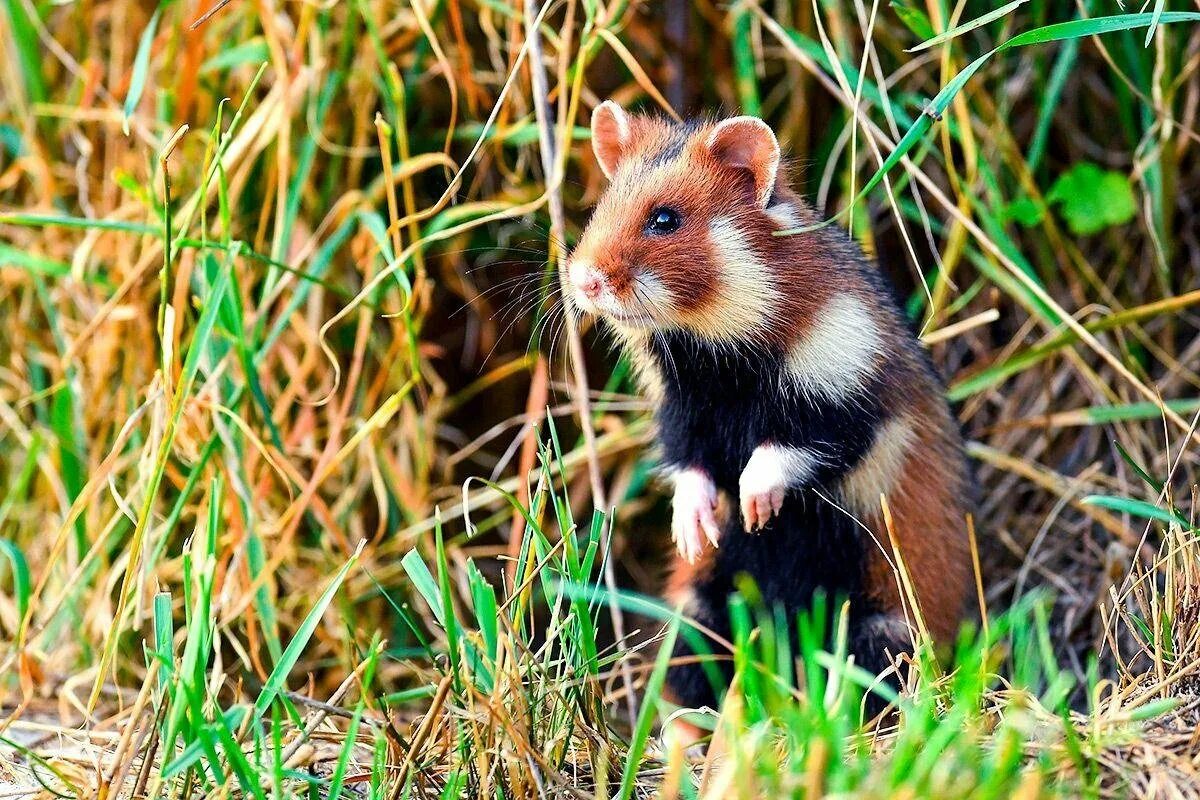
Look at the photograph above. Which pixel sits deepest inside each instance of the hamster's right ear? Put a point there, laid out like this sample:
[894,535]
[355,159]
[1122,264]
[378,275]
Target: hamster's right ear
[749,144]
[612,134]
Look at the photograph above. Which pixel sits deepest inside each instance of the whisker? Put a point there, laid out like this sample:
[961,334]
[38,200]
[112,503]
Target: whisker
[538,298]
[520,281]
[541,261]
[528,293]
[549,234]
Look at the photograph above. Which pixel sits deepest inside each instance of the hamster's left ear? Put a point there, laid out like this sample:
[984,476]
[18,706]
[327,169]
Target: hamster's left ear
[748,143]
[612,134]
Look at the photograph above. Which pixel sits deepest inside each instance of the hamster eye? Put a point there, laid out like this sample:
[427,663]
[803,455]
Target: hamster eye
[663,220]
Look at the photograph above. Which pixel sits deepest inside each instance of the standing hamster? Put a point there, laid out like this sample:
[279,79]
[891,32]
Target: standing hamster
[789,393]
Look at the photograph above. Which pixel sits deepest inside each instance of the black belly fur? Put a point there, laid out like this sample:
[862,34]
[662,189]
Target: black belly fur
[718,406]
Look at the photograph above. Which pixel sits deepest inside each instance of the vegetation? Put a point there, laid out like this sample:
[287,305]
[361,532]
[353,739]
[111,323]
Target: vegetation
[308,487]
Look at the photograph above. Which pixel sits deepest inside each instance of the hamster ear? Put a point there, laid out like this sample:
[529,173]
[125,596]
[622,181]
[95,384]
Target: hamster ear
[748,143]
[612,133]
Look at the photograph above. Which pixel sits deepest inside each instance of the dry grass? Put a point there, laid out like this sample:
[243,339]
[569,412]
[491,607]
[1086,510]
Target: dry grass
[285,306]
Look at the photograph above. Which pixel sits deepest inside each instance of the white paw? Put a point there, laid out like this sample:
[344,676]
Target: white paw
[694,516]
[762,497]
[768,475]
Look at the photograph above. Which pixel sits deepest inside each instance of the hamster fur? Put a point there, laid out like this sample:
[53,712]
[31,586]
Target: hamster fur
[789,393]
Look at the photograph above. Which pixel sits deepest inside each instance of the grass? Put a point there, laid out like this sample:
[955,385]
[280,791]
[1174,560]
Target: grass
[308,489]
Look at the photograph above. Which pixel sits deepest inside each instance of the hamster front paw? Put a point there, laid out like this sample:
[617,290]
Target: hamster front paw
[762,496]
[694,516]
[768,475]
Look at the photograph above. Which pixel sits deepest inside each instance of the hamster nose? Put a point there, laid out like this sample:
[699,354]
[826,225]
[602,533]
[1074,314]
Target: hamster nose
[591,286]
[589,282]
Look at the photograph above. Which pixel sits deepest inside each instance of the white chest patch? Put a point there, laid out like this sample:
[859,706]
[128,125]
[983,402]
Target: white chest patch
[839,352]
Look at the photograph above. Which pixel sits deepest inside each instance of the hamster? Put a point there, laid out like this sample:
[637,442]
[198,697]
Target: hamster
[789,392]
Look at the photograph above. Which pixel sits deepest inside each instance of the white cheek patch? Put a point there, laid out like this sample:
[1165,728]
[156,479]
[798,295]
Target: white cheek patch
[578,268]
[651,293]
[745,297]
[647,304]
[881,468]
[644,307]
[784,215]
[839,352]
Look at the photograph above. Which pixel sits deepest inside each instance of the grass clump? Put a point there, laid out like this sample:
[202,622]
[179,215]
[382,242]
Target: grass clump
[279,285]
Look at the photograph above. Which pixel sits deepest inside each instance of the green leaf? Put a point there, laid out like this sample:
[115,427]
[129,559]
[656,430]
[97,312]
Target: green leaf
[744,63]
[978,22]
[164,636]
[141,65]
[449,618]
[29,50]
[1159,7]
[10,141]
[1142,410]
[1024,211]
[1091,199]
[1154,709]
[337,779]
[914,19]
[424,582]
[483,598]
[1150,480]
[1058,32]
[33,263]
[641,732]
[231,718]
[59,220]
[20,574]
[253,51]
[1137,508]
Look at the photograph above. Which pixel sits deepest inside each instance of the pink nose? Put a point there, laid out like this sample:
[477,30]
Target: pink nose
[591,284]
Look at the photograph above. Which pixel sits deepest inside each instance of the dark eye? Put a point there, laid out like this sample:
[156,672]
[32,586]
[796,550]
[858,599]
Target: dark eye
[663,220]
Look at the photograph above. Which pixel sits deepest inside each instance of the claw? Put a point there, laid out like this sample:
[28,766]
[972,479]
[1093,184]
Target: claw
[764,482]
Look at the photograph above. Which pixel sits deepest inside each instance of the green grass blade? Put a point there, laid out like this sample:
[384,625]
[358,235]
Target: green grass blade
[744,64]
[275,682]
[21,579]
[164,637]
[11,256]
[29,50]
[1155,20]
[141,65]
[1050,33]
[1137,508]
[424,582]
[649,710]
[978,22]
[64,221]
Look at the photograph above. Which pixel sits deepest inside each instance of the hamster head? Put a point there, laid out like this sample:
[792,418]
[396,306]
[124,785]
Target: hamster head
[680,239]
